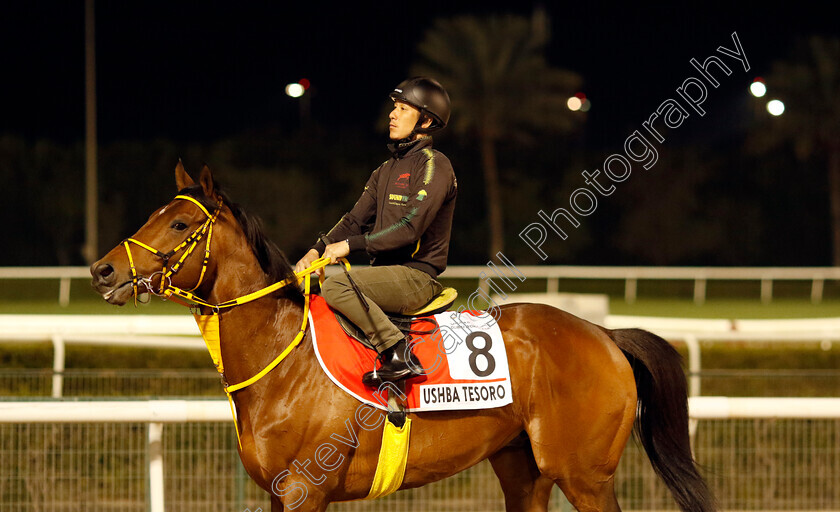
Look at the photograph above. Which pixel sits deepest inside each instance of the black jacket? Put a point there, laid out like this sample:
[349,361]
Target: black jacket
[404,216]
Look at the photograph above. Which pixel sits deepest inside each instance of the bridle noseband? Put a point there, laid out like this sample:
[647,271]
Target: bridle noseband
[166,288]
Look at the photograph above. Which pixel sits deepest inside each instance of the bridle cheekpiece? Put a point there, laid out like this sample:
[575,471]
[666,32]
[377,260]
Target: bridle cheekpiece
[166,289]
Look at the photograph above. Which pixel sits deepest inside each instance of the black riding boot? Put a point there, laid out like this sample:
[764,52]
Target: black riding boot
[398,362]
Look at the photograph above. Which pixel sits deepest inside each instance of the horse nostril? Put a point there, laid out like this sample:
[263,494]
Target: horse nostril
[104,272]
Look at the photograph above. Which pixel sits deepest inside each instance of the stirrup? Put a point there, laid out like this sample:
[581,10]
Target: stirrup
[396,408]
[438,304]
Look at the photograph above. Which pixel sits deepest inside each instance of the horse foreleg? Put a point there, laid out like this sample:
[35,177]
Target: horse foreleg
[309,505]
[306,502]
[524,487]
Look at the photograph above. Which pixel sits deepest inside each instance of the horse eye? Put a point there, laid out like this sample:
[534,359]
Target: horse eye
[178,226]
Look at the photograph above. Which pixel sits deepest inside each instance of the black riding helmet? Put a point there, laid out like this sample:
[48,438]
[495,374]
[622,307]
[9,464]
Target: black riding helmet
[429,97]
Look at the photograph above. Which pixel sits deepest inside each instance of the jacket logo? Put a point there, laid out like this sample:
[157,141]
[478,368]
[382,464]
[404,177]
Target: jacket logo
[402,180]
[398,197]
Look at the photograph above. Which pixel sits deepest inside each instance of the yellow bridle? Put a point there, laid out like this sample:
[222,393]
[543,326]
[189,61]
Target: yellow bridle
[167,273]
[167,290]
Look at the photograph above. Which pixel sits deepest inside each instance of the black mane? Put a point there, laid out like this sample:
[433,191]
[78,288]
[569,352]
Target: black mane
[272,260]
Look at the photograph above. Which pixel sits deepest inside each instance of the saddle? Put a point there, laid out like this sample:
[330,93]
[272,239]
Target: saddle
[438,304]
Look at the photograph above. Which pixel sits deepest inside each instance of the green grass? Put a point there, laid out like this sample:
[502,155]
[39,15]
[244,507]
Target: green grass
[677,307]
[737,369]
[726,308]
[725,299]
[37,296]
[89,307]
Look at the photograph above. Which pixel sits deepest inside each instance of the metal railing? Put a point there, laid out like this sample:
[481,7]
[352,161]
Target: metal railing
[700,276]
[759,454]
[180,332]
[64,275]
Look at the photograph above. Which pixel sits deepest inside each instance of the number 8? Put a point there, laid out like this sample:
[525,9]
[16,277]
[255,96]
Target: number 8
[484,351]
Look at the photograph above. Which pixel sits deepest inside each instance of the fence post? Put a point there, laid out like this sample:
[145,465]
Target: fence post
[816,290]
[64,292]
[694,365]
[766,290]
[484,286]
[700,291]
[155,450]
[58,366]
[630,290]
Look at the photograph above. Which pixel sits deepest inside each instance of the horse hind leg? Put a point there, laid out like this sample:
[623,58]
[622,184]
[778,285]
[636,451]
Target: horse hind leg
[590,495]
[582,465]
[524,487]
[582,456]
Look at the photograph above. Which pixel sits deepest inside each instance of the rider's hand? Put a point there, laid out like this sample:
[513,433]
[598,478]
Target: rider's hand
[337,250]
[307,261]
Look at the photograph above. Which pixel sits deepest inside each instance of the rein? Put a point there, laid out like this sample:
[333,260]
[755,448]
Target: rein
[211,334]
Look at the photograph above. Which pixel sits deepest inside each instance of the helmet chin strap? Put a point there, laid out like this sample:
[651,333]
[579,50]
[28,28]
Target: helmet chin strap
[419,130]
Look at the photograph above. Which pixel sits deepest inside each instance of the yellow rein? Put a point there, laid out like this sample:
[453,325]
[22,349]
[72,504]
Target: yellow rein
[305,275]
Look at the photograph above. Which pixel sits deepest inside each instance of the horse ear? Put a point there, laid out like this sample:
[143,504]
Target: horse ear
[182,179]
[206,180]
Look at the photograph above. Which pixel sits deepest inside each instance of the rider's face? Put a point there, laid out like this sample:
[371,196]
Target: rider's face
[403,118]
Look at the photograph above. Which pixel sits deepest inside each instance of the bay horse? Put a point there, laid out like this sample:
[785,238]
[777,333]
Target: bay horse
[578,388]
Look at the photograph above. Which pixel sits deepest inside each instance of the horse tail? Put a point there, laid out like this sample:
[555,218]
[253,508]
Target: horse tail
[662,416]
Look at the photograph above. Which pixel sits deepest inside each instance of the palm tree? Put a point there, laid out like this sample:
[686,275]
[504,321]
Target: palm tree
[809,85]
[501,86]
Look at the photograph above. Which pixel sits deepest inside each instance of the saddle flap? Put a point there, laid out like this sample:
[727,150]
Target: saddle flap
[438,304]
[353,330]
[403,323]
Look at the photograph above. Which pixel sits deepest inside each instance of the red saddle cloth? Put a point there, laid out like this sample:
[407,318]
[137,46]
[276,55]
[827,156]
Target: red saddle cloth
[345,360]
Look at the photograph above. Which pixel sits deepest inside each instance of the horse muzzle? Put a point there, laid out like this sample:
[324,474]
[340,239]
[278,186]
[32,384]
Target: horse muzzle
[106,282]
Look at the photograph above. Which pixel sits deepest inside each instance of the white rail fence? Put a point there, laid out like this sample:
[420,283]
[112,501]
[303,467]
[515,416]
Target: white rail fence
[64,275]
[694,331]
[211,420]
[700,276]
[812,446]
[138,331]
[180,331]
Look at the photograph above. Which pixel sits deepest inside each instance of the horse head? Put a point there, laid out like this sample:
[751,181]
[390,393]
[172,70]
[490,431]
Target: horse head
[173,247]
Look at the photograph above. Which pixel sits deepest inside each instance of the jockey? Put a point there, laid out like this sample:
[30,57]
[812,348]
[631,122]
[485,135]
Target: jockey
[403,220]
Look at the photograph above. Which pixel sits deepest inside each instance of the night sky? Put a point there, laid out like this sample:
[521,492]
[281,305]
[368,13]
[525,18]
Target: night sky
[199,71]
